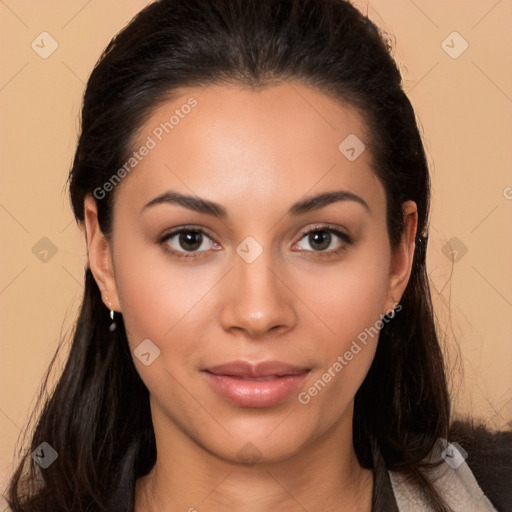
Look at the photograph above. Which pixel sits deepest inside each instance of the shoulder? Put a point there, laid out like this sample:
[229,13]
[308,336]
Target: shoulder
[488,454]
[471,470]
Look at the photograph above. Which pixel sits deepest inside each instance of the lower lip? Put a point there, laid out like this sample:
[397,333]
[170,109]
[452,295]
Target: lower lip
[253,393]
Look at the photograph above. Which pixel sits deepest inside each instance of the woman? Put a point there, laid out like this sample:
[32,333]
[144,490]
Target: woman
[256,331]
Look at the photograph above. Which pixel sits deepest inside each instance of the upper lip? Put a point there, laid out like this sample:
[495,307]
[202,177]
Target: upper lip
[241,368]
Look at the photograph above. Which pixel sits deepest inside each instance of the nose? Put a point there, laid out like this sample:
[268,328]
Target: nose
[256,300]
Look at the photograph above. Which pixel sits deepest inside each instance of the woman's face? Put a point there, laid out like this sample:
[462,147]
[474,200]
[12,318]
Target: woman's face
[248,174]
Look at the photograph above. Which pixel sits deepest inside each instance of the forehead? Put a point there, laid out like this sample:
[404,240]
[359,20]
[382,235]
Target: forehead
[222,142]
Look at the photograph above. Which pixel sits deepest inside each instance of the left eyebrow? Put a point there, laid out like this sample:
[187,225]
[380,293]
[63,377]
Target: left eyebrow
[324,199]
[210,208]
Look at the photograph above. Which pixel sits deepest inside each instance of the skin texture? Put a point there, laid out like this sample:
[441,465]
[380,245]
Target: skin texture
[256,153]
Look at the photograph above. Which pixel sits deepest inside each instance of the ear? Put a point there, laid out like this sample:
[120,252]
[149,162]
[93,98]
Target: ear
[100,255]
[402,257]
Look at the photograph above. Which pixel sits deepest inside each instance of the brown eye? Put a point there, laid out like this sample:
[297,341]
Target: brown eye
[188,242]
[324,240]
[320,240]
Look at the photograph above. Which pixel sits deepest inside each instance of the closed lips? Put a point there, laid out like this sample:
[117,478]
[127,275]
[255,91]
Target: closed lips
[259,379]
[251,384]
[266,370]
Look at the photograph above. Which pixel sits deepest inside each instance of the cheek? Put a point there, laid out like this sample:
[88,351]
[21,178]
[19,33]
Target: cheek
[350,296]
[159,298]
[350,302]
[165,304]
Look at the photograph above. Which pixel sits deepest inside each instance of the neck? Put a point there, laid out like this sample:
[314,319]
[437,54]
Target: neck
[325,475]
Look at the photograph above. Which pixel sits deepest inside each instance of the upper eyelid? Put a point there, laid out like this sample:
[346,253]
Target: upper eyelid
[188,228]
[325,227]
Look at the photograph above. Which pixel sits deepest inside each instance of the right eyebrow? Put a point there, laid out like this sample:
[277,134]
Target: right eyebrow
[196,204]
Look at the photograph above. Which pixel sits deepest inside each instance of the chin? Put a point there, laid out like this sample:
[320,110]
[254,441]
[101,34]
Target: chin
[260,444]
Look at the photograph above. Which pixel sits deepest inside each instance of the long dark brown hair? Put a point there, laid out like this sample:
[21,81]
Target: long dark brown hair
[97,418]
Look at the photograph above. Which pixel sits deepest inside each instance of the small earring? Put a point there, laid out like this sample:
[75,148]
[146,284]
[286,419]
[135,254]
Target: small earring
[113,325]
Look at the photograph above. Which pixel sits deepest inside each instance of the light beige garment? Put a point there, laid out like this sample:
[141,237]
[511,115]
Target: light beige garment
[453,479]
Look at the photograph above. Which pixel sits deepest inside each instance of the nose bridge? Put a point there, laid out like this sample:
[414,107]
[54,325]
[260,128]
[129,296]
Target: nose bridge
[258,301]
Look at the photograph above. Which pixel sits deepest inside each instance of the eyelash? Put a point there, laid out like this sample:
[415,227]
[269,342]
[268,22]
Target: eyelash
[196,254]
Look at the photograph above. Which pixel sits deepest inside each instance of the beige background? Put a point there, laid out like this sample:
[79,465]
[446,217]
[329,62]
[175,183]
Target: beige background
[464,105]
